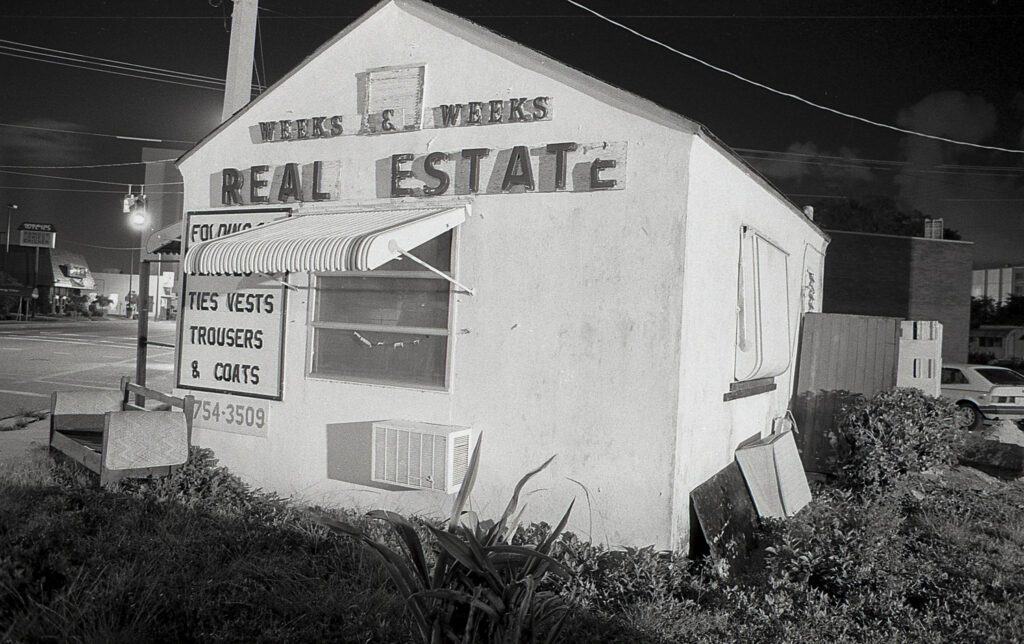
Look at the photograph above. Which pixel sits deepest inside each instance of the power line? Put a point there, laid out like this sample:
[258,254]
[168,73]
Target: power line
[96,63]
[263,60]
[109,136]
[46,51]
[79,167]
[107,71]
[854,162]
[983,199]
[282,16]
[789,94]
[51,176]
[111,192]
[777,155]
[77,243]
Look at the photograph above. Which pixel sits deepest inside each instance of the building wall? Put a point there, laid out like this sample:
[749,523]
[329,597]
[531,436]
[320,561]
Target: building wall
[601,320]
[570,346]
[722,198]
[919,363]
[1001,341]
[905,277]
[117,285]
[163,201]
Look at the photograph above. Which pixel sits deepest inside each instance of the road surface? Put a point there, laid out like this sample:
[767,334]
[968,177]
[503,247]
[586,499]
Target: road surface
[37,358]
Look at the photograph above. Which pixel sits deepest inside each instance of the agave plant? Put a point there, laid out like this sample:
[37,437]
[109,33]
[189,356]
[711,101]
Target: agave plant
[476,586]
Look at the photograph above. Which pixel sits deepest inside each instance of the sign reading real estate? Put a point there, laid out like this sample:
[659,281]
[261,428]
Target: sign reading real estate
[231,330]
[37,235]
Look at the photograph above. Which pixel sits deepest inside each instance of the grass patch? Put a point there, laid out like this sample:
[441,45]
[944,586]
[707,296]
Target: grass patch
[80,564]
[200,556]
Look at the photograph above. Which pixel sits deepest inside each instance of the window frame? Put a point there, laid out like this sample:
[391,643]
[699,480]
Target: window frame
[742,311]
[312,324]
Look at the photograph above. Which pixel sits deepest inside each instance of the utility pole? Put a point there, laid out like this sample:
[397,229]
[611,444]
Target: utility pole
[238,80]
[11,207]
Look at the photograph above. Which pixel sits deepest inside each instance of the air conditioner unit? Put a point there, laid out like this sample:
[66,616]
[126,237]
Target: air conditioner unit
[420,455]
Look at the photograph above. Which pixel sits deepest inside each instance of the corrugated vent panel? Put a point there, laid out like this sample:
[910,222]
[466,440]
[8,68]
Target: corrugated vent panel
[409,458]
[402,457]
[427,461]
[380,449]
[415,459]
[438,481]
[392,448]
[460,458]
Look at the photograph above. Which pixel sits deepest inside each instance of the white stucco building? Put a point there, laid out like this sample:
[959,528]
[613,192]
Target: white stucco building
[627,292]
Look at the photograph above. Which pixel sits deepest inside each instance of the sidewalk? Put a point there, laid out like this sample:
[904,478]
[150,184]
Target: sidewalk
[19,445]
[84,319]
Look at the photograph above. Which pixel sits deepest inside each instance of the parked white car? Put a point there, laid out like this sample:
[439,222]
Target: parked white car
[985,392]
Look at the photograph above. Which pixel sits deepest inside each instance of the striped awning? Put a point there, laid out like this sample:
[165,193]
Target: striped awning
[344,241]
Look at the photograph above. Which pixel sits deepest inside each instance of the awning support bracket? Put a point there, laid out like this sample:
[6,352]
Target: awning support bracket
[290,287]
[395,248]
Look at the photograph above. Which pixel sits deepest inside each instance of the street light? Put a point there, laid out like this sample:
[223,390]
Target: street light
[11,207]
[138,218]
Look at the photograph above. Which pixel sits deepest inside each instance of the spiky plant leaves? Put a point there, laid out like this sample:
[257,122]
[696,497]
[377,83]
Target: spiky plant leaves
[482,588]
[460,597]
[467,485]
[410,539]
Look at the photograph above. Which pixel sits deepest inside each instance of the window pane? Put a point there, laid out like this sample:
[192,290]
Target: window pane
[386,358]
[1001,376]
[385,301]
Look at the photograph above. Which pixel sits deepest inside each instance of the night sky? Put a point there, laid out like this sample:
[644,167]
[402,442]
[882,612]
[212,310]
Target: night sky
[946,68]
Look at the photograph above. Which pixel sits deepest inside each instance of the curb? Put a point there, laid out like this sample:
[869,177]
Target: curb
[40,414]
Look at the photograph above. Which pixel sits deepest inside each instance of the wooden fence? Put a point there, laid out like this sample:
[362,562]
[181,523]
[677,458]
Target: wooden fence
[839,355]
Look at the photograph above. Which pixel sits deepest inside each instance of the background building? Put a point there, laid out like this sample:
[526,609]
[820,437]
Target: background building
[162,297]
[997,282]
[57,274]
[910,278]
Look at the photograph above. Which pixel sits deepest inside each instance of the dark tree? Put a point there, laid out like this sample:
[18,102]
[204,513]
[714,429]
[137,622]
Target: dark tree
[983,311]
[879,215]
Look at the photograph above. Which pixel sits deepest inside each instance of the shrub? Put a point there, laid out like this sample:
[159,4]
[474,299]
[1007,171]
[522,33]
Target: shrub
[478,586]
[895,433]
[610,580]
[201,484]
[980,357]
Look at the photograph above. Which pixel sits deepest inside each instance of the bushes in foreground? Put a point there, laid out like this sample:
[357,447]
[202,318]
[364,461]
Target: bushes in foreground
[896,433]
[200,556]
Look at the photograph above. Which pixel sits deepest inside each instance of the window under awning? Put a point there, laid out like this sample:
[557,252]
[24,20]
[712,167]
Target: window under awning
[345,241]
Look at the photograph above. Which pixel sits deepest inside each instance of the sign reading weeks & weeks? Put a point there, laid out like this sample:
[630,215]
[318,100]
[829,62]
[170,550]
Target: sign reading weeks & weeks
[231,330]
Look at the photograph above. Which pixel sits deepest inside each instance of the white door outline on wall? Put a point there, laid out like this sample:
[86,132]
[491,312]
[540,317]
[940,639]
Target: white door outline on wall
[762,315]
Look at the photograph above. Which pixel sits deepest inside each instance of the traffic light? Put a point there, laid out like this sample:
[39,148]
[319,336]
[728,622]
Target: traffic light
[135,207]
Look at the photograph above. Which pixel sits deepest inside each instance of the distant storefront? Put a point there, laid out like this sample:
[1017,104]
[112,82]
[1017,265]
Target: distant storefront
[122,289]
[57,275]
[427,233]
[13,296]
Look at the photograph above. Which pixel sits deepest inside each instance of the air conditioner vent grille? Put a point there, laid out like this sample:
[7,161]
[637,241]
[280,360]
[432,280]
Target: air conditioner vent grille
[420,455]
[460,457]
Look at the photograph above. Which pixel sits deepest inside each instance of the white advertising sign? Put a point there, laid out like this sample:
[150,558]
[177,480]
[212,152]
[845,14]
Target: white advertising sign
[231,327]
[37,238]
